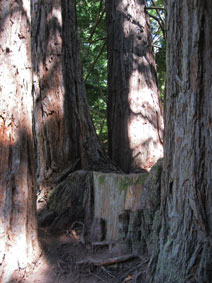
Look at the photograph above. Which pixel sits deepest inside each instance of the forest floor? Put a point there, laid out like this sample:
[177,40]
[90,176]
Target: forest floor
[65,259]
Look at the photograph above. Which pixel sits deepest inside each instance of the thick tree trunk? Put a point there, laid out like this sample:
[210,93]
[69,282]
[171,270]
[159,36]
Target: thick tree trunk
[18,237]
[135,122]
[65,136]
[185,238]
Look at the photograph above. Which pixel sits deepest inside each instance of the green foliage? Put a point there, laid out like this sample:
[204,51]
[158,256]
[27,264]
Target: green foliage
[161,67]
[92,32]
[157,18]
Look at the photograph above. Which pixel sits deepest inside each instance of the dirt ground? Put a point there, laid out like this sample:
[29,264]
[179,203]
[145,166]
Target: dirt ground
[62,258]
[67,259]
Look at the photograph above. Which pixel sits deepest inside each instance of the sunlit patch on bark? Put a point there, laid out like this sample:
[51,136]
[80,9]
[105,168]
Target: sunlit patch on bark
[18,238]
[142,124]
[135,118]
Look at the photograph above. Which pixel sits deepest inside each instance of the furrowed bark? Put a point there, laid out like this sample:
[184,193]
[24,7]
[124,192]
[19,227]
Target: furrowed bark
[65,135]
[185,237]
[18,237]
[135,121]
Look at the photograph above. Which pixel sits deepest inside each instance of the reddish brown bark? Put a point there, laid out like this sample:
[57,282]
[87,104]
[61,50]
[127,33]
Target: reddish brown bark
[65,136]
[135,122]
[185,237]
[18,237]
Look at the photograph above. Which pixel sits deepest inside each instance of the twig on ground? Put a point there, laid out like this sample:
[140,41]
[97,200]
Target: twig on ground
[97,276]
[107,271]
[135,277]
[110,244]
[107,261]
[131,270]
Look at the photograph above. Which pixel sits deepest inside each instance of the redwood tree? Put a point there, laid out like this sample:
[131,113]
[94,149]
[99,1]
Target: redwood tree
[18,238]
[135,121]
[65,136]
[185,237]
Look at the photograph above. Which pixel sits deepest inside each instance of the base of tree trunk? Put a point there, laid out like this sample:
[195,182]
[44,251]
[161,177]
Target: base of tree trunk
[112,207]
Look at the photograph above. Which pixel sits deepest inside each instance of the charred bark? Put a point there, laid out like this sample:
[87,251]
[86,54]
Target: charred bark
[18,237]
[185,237]
[65,135]
[135,121]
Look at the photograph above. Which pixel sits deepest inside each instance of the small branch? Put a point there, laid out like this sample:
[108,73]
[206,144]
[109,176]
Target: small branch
[96,40]
[158,19]
[98,20]
[159,15]
[94,63]
[160,24]
[101,128]
[98,277]
[155,8]
[156,46]
[136,265]
[109,261]
[108,272]
[102,95]
[157,30]
[110,244]
[100,7]
[102,115]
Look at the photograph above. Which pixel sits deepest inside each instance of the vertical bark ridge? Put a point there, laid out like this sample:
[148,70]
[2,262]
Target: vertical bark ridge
[18,236]
[65,135]
[185,236]
[135,121]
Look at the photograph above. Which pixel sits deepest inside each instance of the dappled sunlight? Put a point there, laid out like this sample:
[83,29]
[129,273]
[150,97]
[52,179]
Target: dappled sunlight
[139,96]
[55,13]
[61,128]
[143,125]
[134,98]
[49,90]
[18,245]
[132,22]
[15,48]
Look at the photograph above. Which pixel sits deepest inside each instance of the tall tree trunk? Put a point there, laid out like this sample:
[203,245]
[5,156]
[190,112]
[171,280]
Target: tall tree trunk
[18,236]
[135,122]
[65,136]
[185,237]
